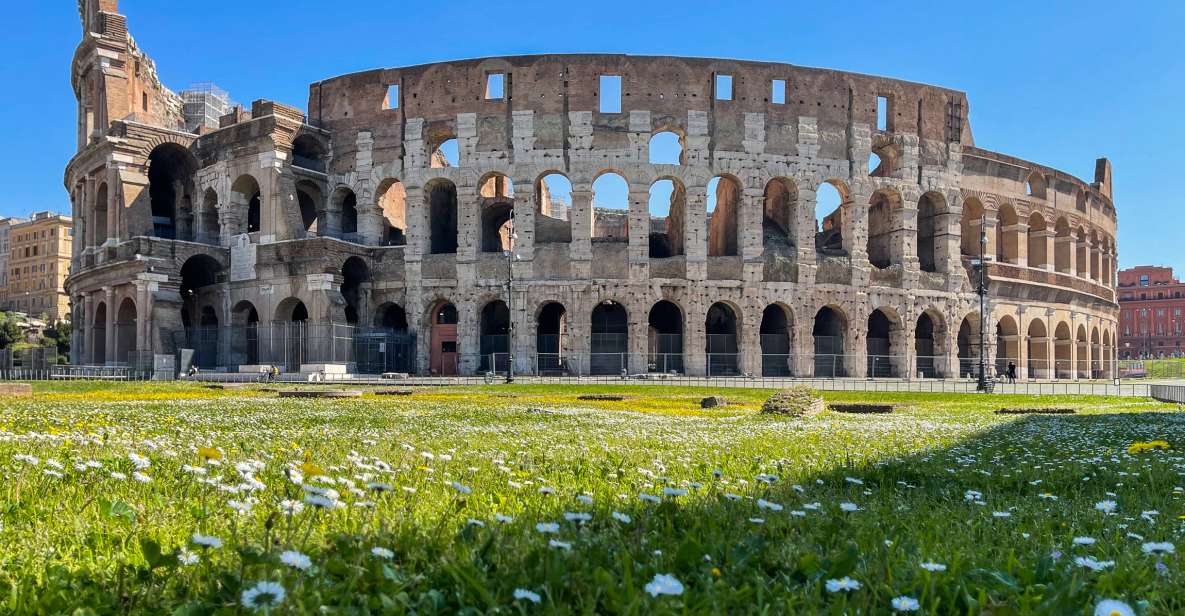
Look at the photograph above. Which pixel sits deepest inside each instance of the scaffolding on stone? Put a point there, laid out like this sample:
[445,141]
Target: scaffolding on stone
[204,103]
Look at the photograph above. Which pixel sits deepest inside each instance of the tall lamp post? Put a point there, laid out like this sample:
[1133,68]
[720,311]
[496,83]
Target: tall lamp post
[511,235]
[981,289]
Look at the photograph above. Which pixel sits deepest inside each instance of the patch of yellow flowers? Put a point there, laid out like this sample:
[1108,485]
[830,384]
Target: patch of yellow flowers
[1138,447]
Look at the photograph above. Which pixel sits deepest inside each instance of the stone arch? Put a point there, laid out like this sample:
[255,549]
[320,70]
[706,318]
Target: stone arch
[494,328]
[723,205]
[777,340]
[668,212]
[247,203]
[355,274]
[1095,256]
[390,316]
[830,333]
[441,202]
[931,211]
[99,215]
[666,148]
[125,331]
[610,204]
[345,204]
[1063,351]
[884,343]
[445,152]
[209,230]
[99,334]
[1008,342]
[551,338]
[1082,252]
[496,192]
[443,351]
[553,206]
[1063,251]
[970,227]
[1007,234]
[170,191]
[308,152]
[291,310]
[967,345]
[1082,352]
[609,342]
[1038,341]
[929,338]
[664,337]
[779,213]
[244,343]
[201,271]
[391,200]
[722,328]
[830,197]
[884,221]
[1035,185]
[1038,255]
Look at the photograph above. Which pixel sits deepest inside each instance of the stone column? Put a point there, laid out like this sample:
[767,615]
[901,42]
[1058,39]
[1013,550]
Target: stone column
[695,233]
[903,248]
[803,346]
[749,343]
[639,232]
[804,241]
[114,211]
[695,341]
[948,241]
[637,339]
[1065,244]
[88,197]
[580,219]
[143,337]
[109,341]
[750,245]
[1050,238]
[88,329]
[1084,269]
[855,236]
[524,226]
[1021,232]
[856,347]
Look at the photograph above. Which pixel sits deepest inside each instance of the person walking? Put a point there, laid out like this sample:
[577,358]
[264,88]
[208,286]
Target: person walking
[1011,372]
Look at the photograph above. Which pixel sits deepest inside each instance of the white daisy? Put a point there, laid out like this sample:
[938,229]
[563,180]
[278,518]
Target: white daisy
[1113,607]
[664,584]
[296,560]
[905,604]
[1158,548]
[382,553]
[186,557]
[844,584]
[206,541]
[522,593]
[621,517]
[263,596]
[934,567]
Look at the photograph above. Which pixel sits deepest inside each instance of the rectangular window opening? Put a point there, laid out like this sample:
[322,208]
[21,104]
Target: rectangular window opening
[392,99]
[610,96]
[495,86]
[777,95]
[144,100]
[723,87]
[882,113]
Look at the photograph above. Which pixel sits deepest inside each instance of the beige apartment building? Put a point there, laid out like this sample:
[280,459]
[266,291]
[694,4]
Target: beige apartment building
[38,261]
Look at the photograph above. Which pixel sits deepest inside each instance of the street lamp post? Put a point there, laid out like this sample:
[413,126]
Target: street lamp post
[510,257]
[981,289]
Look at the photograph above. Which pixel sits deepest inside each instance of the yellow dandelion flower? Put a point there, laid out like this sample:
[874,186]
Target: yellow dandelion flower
[209,453]
[311,470]
[715,571]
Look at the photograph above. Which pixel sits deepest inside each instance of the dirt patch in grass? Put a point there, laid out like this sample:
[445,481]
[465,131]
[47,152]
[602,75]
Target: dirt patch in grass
[862,408]
[1037,411]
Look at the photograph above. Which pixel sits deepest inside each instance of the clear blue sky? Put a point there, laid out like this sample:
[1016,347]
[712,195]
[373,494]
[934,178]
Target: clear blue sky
[1056,83]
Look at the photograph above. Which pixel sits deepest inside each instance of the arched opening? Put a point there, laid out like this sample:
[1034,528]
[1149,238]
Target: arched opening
[1107,366]
[99,335]
[392,318]
[829,332]
[610,339]
[497,213]
[665,338]
[308,198]
[611,208]
[1096,273]
[666,148]
[442,216]
[882,329]
[355,274]
[884,218]
[392,204]
[724,195]
[1007,344]
[1038,256]
[720,328]
[930,208]
[553,206]
[290,334]
[1063,251]
[1007,235]
[443,352]
[170,191]
[874,165]
[206,346]
[551,339]
[970,228]
[125,332]
[209,229]
[245,339]
[1096,355]
[776,341]
[1038,350]
[1063,352]
[829,199]
[1082,352]
[99,219]
[1082,252]
[779,217]
[495,337]
[308,153]
[447,154]
[346,203]
[929,334]
[969,344]
[199,274]
[246,199]
[1035,185]
[668,212]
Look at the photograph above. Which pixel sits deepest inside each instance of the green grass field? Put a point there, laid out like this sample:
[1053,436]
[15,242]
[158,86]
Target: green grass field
[176,499]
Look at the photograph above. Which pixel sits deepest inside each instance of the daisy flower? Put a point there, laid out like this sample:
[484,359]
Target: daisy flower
[296,560]
[664,584]
[843,584]
[263,596]
[1113,607]
[522,593]
[905,604]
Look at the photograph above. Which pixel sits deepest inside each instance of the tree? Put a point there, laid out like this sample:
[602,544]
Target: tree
[10,332]
[59,333]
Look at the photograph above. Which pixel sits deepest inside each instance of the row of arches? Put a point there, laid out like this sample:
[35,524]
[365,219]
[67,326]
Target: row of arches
[1037,242]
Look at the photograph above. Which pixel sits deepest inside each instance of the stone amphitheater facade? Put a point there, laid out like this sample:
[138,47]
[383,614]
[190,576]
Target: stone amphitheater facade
[351,214]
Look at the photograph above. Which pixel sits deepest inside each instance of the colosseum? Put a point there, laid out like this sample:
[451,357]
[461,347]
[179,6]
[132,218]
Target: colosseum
[576,215]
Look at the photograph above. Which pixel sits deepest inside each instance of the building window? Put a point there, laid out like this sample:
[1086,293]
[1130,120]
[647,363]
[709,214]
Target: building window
[1143,280]
[610,94]
[882,113]
[777,93]
[723,87]
[392,100]
[495,86]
